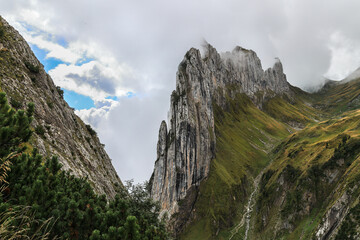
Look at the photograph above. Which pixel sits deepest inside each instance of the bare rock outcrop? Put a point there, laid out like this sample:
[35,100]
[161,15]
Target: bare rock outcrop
[187,146]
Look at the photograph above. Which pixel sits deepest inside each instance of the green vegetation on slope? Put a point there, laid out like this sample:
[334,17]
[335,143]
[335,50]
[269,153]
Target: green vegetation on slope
[68,202]
[337,98]
[349,229]
[306,176]
[244,134]
[295,113]
[312,169]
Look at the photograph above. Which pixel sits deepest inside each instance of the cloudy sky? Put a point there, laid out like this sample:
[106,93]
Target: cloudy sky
[117,59]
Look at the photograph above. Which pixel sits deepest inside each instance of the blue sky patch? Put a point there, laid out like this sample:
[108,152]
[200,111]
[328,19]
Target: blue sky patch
[75,100]
[130,94]
[83,61]
[78,101]
[115,98]
[49,63]
[30,28]
[62,42]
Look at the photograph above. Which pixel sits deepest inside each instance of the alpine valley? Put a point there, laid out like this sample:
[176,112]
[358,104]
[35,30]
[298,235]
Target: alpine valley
[243,155]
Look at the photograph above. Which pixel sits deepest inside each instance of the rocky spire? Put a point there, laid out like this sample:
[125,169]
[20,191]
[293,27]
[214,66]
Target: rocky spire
[276,79]
[185,151]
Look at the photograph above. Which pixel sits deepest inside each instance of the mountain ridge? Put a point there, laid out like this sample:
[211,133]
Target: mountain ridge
[58,131]
[211,87]
[227,117]
[205,83]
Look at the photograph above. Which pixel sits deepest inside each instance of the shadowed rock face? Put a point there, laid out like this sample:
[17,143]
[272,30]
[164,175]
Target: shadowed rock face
[186,147]
[24,80]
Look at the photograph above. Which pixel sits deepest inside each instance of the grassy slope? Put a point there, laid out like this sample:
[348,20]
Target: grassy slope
[244,134]
[307,157]
[296,111]
[305,160]
[339,98]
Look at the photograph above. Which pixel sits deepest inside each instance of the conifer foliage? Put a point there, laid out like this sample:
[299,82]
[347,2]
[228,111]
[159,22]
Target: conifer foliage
[14,126]
[70,203]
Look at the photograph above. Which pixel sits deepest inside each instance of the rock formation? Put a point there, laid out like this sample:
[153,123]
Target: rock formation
[60,131]
[187,146]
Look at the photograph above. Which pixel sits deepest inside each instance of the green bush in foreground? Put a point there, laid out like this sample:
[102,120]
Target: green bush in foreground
[66,203]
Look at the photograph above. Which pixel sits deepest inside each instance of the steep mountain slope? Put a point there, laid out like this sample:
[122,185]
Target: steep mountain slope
[311,188]
[219,138]
[58,131]
[338,97]
[312,182]
[41,201]
[248,156]
[244,136]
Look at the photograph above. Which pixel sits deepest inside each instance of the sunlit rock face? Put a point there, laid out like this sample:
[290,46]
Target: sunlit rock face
[187,145]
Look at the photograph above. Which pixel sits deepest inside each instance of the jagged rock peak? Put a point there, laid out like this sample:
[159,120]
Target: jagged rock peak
[241,67]
[185,151]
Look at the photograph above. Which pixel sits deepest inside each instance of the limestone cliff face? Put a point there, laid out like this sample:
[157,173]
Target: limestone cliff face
[24,80]
[187,145]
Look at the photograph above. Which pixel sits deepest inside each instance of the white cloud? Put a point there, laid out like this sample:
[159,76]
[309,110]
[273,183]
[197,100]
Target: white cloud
[345,56]
[137,46]
[95,116]
[130,133]
[110,103]
[92,79]
[99,78]
[28,28]
[55,50]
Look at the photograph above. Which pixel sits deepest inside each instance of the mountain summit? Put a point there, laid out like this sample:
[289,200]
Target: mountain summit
[240,138]
[204,86]
[189,144]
